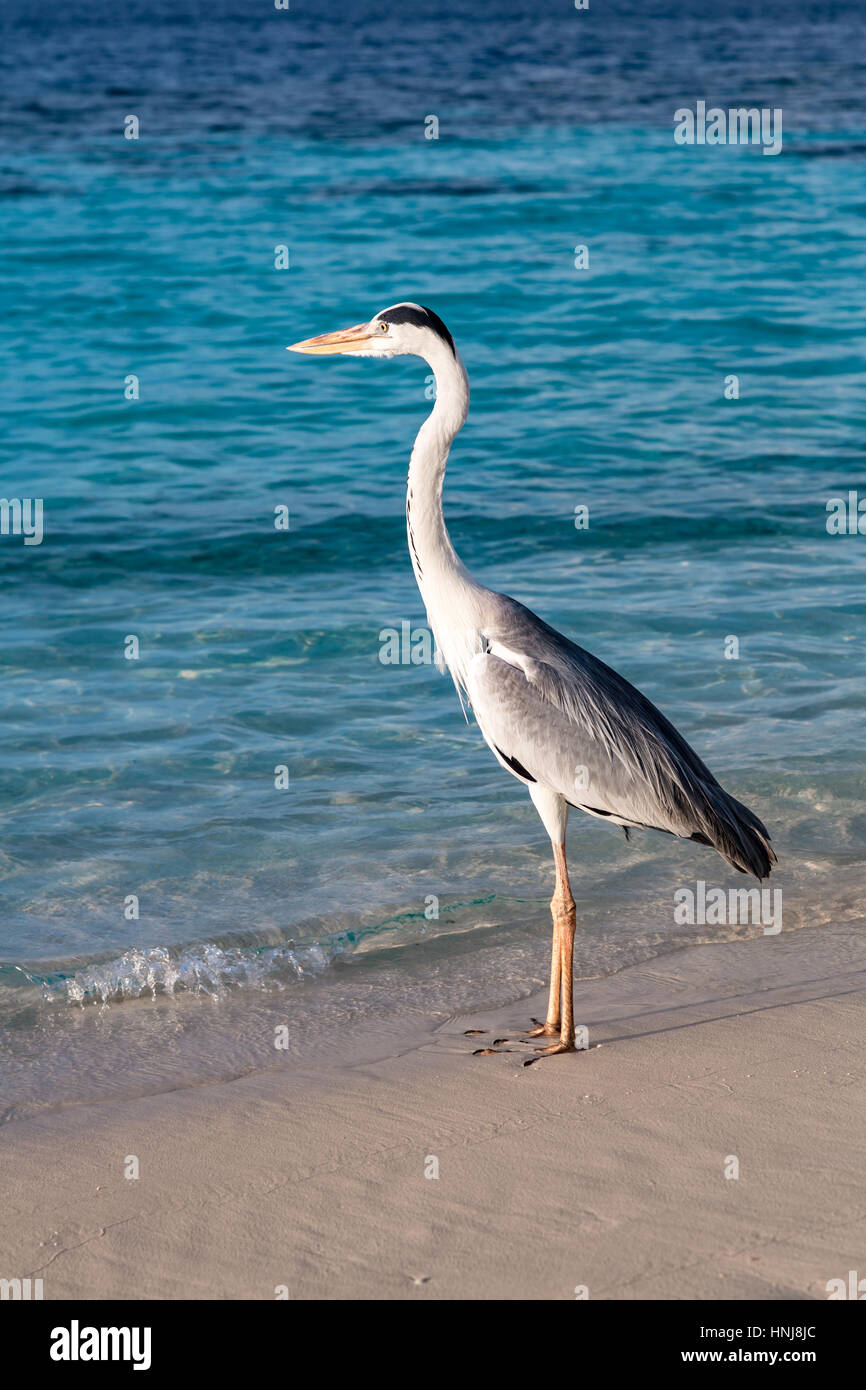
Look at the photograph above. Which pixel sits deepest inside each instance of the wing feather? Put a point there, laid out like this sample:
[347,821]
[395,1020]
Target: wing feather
[575,725]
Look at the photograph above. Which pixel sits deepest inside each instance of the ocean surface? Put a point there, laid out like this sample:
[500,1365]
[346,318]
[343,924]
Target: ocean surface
[401,873]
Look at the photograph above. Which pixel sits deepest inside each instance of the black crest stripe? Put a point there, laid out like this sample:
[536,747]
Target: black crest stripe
[421,317]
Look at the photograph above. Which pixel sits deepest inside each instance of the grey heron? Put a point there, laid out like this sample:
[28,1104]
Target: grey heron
[567,726]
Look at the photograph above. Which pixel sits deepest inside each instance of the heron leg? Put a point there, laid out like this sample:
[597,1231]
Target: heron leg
[560,1014]
[550,1027]
[560,1005]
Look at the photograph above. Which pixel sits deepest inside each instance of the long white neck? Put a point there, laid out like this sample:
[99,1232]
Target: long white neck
[449,592]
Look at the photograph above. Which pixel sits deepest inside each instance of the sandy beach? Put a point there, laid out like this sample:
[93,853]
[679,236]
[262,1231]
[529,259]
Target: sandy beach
[604,1171]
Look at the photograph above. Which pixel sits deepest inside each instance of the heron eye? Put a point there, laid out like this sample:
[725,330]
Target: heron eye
[383,328]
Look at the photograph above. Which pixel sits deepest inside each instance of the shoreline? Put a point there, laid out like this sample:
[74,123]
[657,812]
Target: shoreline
[604,1169]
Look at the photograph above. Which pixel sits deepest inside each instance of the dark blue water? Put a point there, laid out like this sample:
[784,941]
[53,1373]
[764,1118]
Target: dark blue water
[602,387]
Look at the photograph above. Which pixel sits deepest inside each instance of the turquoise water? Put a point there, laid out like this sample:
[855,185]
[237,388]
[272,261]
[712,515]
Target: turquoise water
[601,387]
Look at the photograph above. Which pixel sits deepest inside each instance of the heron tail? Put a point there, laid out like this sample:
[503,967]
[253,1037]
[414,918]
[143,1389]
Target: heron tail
[738,835]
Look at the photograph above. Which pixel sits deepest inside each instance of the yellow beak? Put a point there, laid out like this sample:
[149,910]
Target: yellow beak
[344,340]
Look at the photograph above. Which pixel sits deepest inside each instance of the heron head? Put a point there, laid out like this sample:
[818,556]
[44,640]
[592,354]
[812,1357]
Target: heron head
[404,328]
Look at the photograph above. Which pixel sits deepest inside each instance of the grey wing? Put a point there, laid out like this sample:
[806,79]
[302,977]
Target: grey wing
[556,715]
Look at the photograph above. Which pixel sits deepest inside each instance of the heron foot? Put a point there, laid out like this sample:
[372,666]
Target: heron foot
[544,1030]
[561,1046]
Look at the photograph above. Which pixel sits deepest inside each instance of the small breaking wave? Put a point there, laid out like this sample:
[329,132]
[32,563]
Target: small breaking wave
[206,969]
[213,970]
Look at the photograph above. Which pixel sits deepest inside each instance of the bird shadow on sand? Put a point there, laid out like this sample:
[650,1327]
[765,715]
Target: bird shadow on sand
[723,1008]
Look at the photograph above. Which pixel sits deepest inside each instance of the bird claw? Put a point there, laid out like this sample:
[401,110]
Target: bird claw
[550,1052]
[542,1031]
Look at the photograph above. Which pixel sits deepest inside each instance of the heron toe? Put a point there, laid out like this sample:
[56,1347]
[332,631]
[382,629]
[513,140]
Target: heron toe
[550,1052]
[542,1030]
[545,1030]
